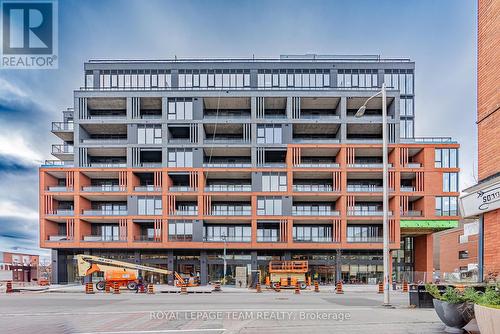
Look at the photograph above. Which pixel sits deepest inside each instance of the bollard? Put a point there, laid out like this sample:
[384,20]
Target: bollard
[380,287]
[8,288]
[89,288]
[339,289]
[297,288]
[405,286]
[151,290]
[107,287]
[316,286]
[184,289]
[116,288]
[258,288]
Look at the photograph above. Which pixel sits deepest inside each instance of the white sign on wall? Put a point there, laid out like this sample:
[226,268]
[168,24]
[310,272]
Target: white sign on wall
[471,228]
[480,201]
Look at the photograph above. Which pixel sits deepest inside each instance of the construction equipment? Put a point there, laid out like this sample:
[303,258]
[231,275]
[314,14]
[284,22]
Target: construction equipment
[116,273]
[287,274]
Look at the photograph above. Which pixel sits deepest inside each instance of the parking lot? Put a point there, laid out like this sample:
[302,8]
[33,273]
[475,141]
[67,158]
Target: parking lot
[68,310]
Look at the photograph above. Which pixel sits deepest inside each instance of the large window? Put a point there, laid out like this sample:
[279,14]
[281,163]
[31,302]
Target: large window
[269,206]
[357,78]
[124,79]
[214,78]
[180,230]
[401,80]
[406,128]
[180,109]
[311,233]
[293,78]
[446,206]
[269,134]
[450,182]
[462,255]
[406,106]
[180,158]
[149,134]
[363,233]
[106,232]
[149,205]
[446,158]
[229,233]
[274,181]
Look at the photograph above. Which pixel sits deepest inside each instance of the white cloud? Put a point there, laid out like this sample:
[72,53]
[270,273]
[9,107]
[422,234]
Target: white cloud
[14,145]
[15,210]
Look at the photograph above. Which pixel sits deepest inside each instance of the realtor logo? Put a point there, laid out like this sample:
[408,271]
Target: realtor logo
[29,34]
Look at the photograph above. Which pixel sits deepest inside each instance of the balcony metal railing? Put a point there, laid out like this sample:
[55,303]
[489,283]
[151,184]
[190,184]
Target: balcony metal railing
[367,213]
[368,165]
[226,141]
[186,212]
[147,188]
[104,141]
[313,212]
[179,140]
[103,188]
[364,188]
[220,116]
[227,239]
[58,163]
[60,189]
[413,165]
[228,164]
[407,189]
[228,187]
[108,164]
[361,239]
[58,238]
[411,213]
[428,140]
[59,149]
[150,164]
[317,165]
[94,238]
[62,126]
[104,212]
[231,211]
[322,117]
[315,140]
[62,212]
[120,116]
[272,165]
[312,187]
[181,188]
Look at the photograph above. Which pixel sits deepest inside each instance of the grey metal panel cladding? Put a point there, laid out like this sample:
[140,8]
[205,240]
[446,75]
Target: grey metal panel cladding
[197,108]
[197,157]
[132,205]
[257,181]
[287,205]
[197,230]
[287,135]
[132,133]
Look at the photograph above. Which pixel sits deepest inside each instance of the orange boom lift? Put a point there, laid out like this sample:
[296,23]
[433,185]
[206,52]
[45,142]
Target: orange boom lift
[288,273]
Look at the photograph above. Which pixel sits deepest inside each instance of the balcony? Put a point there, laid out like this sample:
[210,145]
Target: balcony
[58,163]
[413,165]
[181,188]
[231,211]
[227,239]
[59,189]
[323,117]
[227,164]
[186,211]
[428,140]
[312,187]
[62,212]
[317,165]
[100,238]
[62,126]
[313,211]
[318,140]
[104,141]
[104,212]
[312,239]
[62,151]
[368,165]
[146,238]
[108,164]
[104,188]
[364,188]
[411,213]
[147,188]
[362,239]
[226,140]
[270,238]
[58,238]
[228,187]
[407,189]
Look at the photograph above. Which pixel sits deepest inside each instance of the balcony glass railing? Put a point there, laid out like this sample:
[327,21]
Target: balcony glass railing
[186,212]
[322,117]
[62,212]
[103,188]
[312,187]
[318,164]
[181,188]
[108,164]
[147,188]
[313,211]
[231,211]
[219,140]
[62,126]
[413,165]
[57,163]
[316,140]
[150,164]
[367,212]
[105,212]
[368,165]
[58,238]
[59,189]
[59,149]
[107,116]
[105,141]
[227,239]
[145,238]
[227,164]
[271,238]
[228,187]
[312,239]
[411,213]
[94,238]
[364,239]
[407,189]
[364,188]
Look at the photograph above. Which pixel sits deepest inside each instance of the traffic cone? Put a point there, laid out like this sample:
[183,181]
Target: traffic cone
[405,286]
[268,281]
[184,289]
[9,287]
[116,288]
[380,287]
[151,290]
[107,287]
[89,288]
[297,288]
[339,289]
[316,286]
[258,288]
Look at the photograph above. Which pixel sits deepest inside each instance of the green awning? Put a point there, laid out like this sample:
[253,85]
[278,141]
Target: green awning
[429,224]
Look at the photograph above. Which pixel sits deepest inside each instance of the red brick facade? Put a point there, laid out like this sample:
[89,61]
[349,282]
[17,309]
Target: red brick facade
[488,118]
[450,247]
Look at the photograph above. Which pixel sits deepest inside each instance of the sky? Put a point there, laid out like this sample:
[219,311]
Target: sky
[440,36]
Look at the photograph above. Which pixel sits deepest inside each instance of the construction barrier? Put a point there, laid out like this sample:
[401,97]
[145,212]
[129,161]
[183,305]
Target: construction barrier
[258,288]
[217,287]
[316,286]
[297,288]
[184,290]
[151,290]
[107,287]
[405,286]
[380,287]
[8,287]
[89,288]
[116,288]
[339,290]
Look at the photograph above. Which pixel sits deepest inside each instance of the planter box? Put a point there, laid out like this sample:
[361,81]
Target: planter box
[454,316]
[488,319]
[421,298]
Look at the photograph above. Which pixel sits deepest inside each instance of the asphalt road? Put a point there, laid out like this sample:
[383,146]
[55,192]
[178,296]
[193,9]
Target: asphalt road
[234,312]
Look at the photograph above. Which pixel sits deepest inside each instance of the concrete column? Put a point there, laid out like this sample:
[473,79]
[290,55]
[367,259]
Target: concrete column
[424,257]
[170,266]
[55,267]
[338,266]
[203,268]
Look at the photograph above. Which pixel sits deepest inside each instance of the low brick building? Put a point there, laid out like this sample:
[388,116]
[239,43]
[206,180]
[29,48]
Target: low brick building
[24,267]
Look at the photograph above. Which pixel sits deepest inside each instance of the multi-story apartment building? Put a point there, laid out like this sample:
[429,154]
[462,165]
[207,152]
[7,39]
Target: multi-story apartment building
[169,163]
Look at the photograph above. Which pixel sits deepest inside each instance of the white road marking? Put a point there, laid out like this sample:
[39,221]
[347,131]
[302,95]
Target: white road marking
[159,331]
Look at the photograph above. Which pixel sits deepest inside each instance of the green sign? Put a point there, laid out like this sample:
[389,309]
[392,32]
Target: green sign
[429,224]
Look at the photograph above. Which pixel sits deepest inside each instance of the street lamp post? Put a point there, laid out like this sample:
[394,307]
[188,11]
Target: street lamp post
[385,200]
[225,261]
